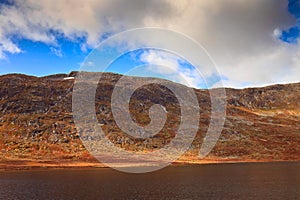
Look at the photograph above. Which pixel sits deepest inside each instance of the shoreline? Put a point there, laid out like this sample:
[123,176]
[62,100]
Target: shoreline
[53,165]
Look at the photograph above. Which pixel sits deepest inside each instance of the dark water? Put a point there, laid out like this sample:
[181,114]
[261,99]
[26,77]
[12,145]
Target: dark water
[220,181]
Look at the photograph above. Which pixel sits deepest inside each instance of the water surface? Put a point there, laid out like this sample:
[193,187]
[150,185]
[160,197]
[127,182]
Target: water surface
[215,181]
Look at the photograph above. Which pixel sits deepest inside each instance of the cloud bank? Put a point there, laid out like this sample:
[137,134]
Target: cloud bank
[242,36]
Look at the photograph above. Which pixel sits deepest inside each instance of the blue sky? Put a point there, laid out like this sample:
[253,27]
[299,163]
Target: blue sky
[292,34]
[42,47]
[40,59]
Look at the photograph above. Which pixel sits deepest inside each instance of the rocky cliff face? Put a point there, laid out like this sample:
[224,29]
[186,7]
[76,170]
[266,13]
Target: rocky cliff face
[36,120]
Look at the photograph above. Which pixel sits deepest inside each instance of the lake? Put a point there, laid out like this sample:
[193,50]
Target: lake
[213,181]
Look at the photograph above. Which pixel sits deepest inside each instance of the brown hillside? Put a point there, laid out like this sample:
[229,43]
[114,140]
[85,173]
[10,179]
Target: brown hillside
[36,121]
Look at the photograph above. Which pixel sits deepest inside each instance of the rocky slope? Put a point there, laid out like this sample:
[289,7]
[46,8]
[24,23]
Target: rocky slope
[36,121]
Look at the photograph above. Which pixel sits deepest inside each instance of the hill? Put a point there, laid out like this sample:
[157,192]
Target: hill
[37,126]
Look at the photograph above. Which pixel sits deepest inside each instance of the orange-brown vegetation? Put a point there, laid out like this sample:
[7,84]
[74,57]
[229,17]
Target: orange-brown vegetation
[37,127]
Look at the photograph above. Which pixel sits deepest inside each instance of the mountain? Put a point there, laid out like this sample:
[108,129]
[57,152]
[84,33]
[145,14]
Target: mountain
[37,126]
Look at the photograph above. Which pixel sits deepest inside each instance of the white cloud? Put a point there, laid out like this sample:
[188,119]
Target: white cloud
[171,67]
[240,35]
[277,33]
[56,51]
[8,46]
[89,64]
[156,58]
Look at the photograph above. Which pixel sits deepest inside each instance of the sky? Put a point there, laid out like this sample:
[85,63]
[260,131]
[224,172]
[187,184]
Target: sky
[253,43]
